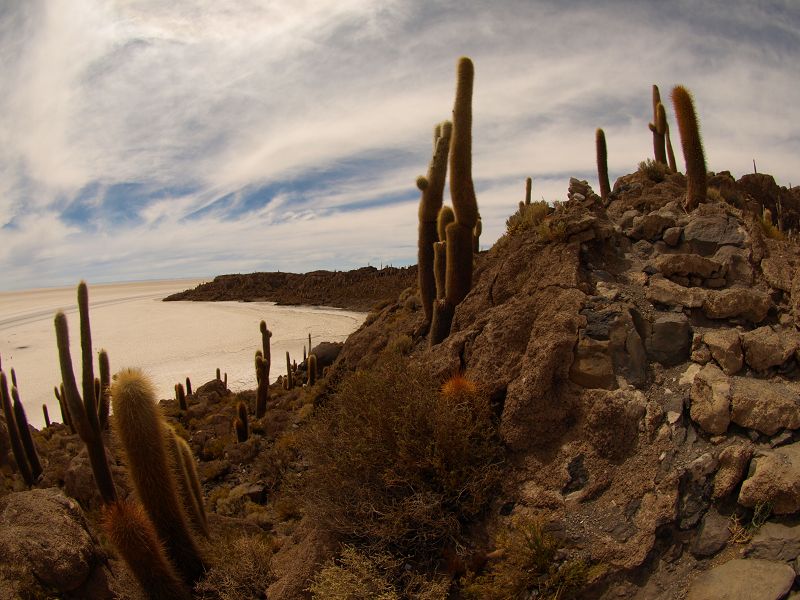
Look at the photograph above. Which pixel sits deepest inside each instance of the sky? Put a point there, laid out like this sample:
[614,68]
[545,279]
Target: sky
[144,139]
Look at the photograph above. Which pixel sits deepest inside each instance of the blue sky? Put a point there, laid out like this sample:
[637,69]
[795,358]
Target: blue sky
[145,139]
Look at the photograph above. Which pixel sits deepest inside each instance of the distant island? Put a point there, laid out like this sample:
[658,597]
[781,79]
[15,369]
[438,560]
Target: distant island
[358,290]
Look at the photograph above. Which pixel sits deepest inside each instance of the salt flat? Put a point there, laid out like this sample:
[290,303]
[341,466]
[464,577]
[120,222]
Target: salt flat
[169,340]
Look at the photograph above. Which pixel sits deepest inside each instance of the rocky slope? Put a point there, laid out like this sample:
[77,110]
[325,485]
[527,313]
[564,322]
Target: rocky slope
[359,289]
[642,363]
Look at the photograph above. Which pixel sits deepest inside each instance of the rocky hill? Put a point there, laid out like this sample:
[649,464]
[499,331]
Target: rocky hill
[359,289]
[641,368]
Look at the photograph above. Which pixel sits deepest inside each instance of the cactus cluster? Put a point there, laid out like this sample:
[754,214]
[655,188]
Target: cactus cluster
[17,426]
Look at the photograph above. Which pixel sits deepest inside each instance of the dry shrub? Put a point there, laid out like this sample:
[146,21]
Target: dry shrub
[770,230]
[653,170]
[528,567]
[551,231]
[241,572]
[527,217]
[397,467]
[355,576]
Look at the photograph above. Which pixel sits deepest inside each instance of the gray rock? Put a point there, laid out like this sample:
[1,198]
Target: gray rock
[778,272]
[707,233]
[712,535]
[726,348]
[628,354]
[774,477]
[670,340]
[766,406]
[747,303]
[765,347]
[44,533]
[743,579]
[710,396]
[775,541]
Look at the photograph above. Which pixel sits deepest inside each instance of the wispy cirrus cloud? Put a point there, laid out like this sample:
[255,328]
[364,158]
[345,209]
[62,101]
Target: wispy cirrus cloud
[145,139]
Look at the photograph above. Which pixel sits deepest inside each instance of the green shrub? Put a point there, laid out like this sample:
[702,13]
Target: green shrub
[527,217]
[528,567]
[397,467]
[654,171]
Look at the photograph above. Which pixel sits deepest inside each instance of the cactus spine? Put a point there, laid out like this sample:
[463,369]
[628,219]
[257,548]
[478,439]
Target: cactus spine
[692,147]
[46,415]
[430,203]
[132,533]
[602,164]
[311,367]
[25,436]
[658,129]
[140,427]
[458,272]
[83,412]
[13,433]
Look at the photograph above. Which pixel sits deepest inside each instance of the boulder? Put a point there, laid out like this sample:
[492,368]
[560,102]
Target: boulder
[762,405]
[712,535]
[764,347]
[747,303]
[774,477]
[736,262]
[705,234]
[44,533]
[743,579]
[733,462]
[687,265]
[592,367]
[649,227]
[726,349]
[775,541]
[710,396]
[670,340]
[672,235]
[669,293]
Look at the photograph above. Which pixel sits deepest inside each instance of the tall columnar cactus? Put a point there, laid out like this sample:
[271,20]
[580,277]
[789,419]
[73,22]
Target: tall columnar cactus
[289,378]
[266,334]
[180,396]
[458,272]
[658,129]
[46,415]
[670,154]
[692,146]
[83,412]
[309,342]
[188,463]
[240,423]
[132,533]
[140,427]
[188,387]
[528,186]
[432,190]
[13,433]
[445,217]
[311,367]
[262,389]
[218,375]
[25,436]
[104,401]
[602,164]
[65,418]
[183,479]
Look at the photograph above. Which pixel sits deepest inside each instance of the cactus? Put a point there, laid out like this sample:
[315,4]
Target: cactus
[602,164]
[305,356]
[240,423]
[430,203]
[670,154]
[311,367]
[442,319]
[182,479]
[13,433]
[225,380]
[180,396]
[528,186]
[262,391]
[46,415]
[188,463]
[692,147]
[132,533]
[218,375]
[104,401]
[140,427]
[309,342]
[289,378]
[65,419]
[25,436]
[83,412]
[439,266]
[188,387]
[658,129]
[266,334]
[476,236]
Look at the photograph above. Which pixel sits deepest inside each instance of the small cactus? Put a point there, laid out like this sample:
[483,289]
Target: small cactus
[476,236]
[289,378]
[219,375]
[13,433]
[46,415]
[65,419]
[311,367]
[266,334]
[188,387]
[602,164]
[528,186]
[692,147]
[140,427]
[240,423]
[180,396]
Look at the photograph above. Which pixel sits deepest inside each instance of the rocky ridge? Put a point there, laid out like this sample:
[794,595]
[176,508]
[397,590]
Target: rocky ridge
[643,367]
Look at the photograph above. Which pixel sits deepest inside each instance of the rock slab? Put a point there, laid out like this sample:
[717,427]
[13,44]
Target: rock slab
[743,579]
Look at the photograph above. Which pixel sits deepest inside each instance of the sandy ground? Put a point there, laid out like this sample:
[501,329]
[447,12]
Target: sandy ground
[169,340]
